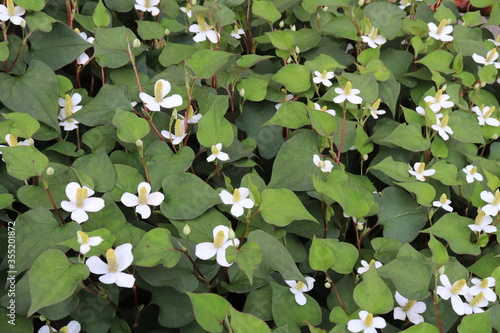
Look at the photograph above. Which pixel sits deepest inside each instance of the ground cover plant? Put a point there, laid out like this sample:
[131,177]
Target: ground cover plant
[249,166]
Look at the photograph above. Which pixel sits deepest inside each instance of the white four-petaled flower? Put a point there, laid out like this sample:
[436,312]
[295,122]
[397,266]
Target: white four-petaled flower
[438,101]
[86,242]
[441,32]
[471,174]
[374,111]
[373,39]
[326,165]
[493,201]
[323,77]
[72,327]
[365,266]
[143,200]
[179,132]
[84,58]
[218,247]
[237,32]
[420,171]
[442,127]
[217,153]
[410,309]
[298,288]
[148,6]
[443,202]
[349,93]
[187,10]
[69,105]
[203,31]
[484,114]
[483,286]
[367,323]
[162,88]
[324,109]
[11,13]
[238,200]
[475,303]
[483,223]
[80,202]
[11,140]
[287,98]
[111,272]
[490,58]
[447,291]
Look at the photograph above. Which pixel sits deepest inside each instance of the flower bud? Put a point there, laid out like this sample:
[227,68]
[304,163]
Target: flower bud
[31,142]
[361,3]
[242,92]
[186,230]
[328,285]
[297,50]
[50,171]
[194,2]
[42,318]
[325,8]
[167,32]
[231,234]
[281,24]
[365,157]
[289,60]
[23,24]
[441,270]
[139,143]
[293,28]
[360,226]
[136,43]
[494,136]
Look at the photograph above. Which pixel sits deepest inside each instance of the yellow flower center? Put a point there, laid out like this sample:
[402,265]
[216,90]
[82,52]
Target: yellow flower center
[235,29]
[300,285]
[437,97]
[10,8]
[406,2]
[69,105]
[112,261]
[496,199]
[490,55]
[476,300]
[347,88]
[83,238]
[444,121]
[373,34]
[421,168]
[236,195]
[77,30]
[178,128]
[215,150]
[190,113]
[81,195]
[322,164]
[479,218]
[458,286]
[143,195]
[323,74]
[443,199]
[473,171]
[407,307]
[219,239]
[441,26]
[324,109]
[158,91]
[64,329]
[147,3]
[484,283]
[376,105]
[12,141]
[488,113]
[369,320]
[188,7]
[203,24]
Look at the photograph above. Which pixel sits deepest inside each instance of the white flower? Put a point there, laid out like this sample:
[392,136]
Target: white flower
[203,31]
[217,153]
[117,261]
[483,115]
[298,288]
[11,140]
[409,308]
[443,202]
[192,118]
[237,32]
[69,105]
[187,10]
[86,242]
[72,327]
[495,41]
[441,32]
[420,110]
[144,199]
[483,286]
[493,201]
[367,323]
[442,128]
[326,165]
[348,93]
[471,172]
[162,88]
[475,303]
[404,3]
[482,223]
[374,111]
[323,77]
[238,199]
[84,58]
[420,171]
[439,101]
[373,39]
[12,13]
[80,202]
[218,247]
[447,291]
[179,132]
[366,266]
[491,56]
[324,109]
[147,6]
[287,98]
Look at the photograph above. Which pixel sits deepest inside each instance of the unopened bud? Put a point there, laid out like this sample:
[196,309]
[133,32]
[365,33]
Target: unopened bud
[477,86]
[50,171]
[289,60]
[23,24]
[365,157]
[325,8]
[494,136]
[231,234]
[360,226]
[293,28]
[443,88]
[242,92]
[167,32]
[361,3]
[31,142]
[42,318]
[139,143]
[297,50]
[193,2]
[186,230]
[281,24]
[483,84]
[441,270]
[174,114]
[328,285]
[136,43]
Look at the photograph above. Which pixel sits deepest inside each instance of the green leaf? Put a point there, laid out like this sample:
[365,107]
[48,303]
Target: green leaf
[205,63]
[247,256]
[342,27]
[453,228]
[424,192]
[485,266]
[4,51]
[40,21]
[98,166]
[404,220]
[101,17]
[156,248]
[275,257]
[446,173]
[291,115]
[255,89]
[265,10]
[34,5]
[249,60]
[281,206]
[24,161]
[127,179]
[395,170]
[408,137]
[130,127]
[6,200]
[179,162]
[465,128]
[422,328]
[173,53]
[34,93]
[439,252]
[323,123]
[175,307]
[111,46]
[320,256]
[468,41]
[438,60]
[345,254]
[282,40]
[150,30]
[476,322]
[372,294]
[247,323]
[296,78]
[186,196]
[53,279]
[23,125]
[385,16]
[213,128]
[210,311]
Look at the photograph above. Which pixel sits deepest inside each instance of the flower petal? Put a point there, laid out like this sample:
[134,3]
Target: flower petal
[205,250]
[124,280]
[96,265]
[68,206]
[143,210]
[108,278]
[221,258]
[172,101]
[129,199]
[222,228]
[155,198]
[300,298]
[93,204]
[79,215]
[124,256]
[226,197]
[237,210]
[71,190]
